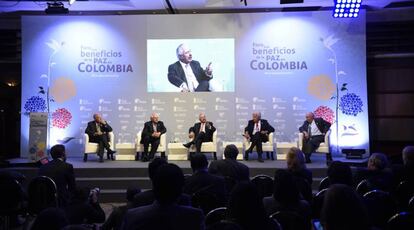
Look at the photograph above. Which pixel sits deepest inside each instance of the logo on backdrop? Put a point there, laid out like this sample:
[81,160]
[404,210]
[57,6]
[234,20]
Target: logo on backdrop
[275,60]
[102,62]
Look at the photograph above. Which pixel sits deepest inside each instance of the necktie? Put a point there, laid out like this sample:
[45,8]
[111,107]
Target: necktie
[310,129]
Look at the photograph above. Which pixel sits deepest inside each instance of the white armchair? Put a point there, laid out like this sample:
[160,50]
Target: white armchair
[323,147]
[139,148]
[267,147]
[208,147]
[92,148]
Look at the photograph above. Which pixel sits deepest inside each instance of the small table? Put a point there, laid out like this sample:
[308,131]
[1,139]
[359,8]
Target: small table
[177,152]
[282,148]
[239,146]
[125,151]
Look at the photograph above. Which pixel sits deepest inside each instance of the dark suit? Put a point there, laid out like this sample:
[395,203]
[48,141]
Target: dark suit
[232,170]
[313,142]
[176,75]
[204,182]
[63,176]
[258,138]
[157,216]
[102,140]
[200,137]
[147,139]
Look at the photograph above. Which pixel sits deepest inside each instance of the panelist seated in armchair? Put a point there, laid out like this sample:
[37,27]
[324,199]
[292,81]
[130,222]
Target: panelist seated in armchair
[314,130]
[97,131]
[201,132]
[257,132]
[151,134]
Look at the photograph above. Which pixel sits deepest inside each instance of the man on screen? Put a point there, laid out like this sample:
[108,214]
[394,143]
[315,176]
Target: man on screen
[151,134]
[257,131]
[187,74]
[314,130]
[201,132]
[97,131]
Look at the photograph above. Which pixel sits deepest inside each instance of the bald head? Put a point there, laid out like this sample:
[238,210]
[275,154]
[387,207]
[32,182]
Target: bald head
[309,117]
[97,117]
[256,116]
[154,117]
[202,117]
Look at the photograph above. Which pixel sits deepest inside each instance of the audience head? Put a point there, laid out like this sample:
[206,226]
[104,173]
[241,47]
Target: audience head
[284,187]
[256,116]
[408,155]
[245,206]
[309,117]
[295,159]
[339,173]
[199,162]
[168,183]
[154,165]
[184,53]
[231,152]
[154,117]
[377,161]
[131,192]
[50,218]
[58,151]
[343,209]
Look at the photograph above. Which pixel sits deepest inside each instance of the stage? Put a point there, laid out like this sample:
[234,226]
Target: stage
[114,177]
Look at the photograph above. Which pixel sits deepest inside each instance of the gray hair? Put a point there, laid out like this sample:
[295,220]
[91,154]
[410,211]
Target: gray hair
[378,161]
[179,50]
[408,155]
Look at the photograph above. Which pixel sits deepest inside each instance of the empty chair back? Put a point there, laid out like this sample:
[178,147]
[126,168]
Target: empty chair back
[264,185]
[42,194]
[290,220]
[215,216]
[324,184]
[381,206]
[363,187]
[401,221]
[403,193]
[11,196]
[317,204]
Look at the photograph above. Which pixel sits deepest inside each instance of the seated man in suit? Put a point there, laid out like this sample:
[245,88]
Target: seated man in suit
[165,213]
[201,132]
[97,131]
[314,130]
[203,182]
[257,132]
[187,74]
[61,173]
[151,135]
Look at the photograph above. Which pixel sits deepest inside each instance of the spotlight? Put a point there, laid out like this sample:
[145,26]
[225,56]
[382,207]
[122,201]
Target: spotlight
[71,2]
[56,8]
[347,8]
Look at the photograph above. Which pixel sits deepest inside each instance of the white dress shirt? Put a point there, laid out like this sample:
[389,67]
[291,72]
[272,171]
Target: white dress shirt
[314,129]
[192,82]
[257,127]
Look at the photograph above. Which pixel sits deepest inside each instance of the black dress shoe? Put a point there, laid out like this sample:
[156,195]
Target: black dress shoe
[112,157]
[101,160]
[308,160]
[188,145]
[260,160]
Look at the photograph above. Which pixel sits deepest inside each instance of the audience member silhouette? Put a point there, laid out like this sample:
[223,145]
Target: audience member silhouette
[343,209]
[85,208]
[165,213]
[340,173]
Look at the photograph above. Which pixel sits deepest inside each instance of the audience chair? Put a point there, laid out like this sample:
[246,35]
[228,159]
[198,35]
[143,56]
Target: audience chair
[11,200]
[411,205]
[380,206]
[401,221]
[205,201]
[42,194]
[318,203]
[264,185]
[325,183]
[92,148]
[403,193]
[215,216]
[290,220]
[363,187]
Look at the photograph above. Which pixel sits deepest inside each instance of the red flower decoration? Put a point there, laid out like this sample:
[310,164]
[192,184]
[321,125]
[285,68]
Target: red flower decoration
[326,113]
[61,118]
